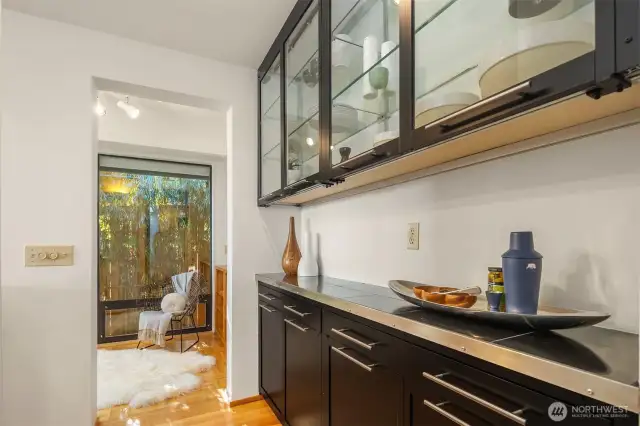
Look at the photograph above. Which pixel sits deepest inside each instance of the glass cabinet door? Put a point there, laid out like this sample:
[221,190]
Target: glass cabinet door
[364,76]
[467,51]
[271,130]
[302,88]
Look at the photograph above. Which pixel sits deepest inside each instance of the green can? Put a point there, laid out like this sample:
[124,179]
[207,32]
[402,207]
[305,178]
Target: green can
[496,285]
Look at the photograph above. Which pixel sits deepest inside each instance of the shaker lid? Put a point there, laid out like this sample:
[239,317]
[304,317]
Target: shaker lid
[521,246]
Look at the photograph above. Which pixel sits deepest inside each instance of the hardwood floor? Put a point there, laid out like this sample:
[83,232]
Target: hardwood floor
[204,406]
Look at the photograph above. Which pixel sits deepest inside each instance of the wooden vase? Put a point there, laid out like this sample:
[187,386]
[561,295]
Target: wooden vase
[291,256]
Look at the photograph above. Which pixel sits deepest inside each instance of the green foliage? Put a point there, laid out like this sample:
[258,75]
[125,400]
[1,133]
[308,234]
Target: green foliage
[151,227]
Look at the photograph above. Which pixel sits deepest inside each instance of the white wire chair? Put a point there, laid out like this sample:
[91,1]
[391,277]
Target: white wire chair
[151,299]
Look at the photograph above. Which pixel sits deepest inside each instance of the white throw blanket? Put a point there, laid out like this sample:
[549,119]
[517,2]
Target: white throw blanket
[153,325]
[182,282]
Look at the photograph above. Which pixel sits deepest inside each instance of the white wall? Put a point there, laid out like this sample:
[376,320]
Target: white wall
[219,183]
[581,199]
[164,125]
[48,171]
[0,262]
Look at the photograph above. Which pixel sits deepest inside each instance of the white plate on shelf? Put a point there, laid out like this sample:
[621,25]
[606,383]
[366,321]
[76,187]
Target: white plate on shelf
[344,118]
[434,107]
[532,51]
[383,137]
[557,11]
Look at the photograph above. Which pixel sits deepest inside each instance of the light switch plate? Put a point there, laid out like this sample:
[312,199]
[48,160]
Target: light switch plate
[48,256]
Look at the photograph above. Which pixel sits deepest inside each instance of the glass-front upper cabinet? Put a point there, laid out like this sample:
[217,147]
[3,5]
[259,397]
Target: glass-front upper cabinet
[365,77]
[486,53]
[271,130]
[302,86]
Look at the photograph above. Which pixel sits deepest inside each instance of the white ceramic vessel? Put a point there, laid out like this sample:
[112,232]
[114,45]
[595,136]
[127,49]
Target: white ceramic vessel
[308,266]
[370,55]
[558,11]
[344,118]
[383,137]
[533,50]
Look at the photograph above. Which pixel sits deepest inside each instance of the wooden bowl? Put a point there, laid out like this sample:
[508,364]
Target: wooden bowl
[430,294]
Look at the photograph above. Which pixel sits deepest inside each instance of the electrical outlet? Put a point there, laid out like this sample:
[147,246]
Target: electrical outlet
[413,236]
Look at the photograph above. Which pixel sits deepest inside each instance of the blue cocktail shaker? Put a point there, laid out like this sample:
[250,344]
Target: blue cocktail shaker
[522,268]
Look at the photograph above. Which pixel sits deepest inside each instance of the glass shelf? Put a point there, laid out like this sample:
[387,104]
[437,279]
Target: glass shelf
[365,76]
[426,11]
[273,110]
[366,113]
[367,117]
[273,153]
[342,94]
[297,78]
[299,136]
[442,84]
[359,18]
[270,87]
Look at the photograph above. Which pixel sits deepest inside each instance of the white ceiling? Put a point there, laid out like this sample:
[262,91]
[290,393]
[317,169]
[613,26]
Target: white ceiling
[234,31]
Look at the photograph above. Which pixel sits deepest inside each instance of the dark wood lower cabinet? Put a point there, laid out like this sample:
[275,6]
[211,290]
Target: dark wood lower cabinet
[303,374]
[319,368]
[361,390]
[272,355]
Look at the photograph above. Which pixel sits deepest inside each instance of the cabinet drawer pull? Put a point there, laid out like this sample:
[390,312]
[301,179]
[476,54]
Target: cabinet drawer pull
[265,308]
[293,324]
[444,413]
[298,313]
[265,297]
[339,351]
[341,333]
[511,416]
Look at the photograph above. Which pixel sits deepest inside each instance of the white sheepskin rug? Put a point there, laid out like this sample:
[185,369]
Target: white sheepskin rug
[141,378]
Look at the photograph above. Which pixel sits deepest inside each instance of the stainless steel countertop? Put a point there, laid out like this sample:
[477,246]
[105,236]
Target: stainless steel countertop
[591,361]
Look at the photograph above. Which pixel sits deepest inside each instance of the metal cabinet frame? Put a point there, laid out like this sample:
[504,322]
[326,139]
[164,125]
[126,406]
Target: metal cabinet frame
[607,69]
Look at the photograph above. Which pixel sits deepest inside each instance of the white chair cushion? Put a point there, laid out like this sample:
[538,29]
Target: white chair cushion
[173,302]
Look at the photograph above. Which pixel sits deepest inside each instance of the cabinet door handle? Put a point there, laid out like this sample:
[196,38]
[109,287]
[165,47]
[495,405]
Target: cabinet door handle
[365,159]
[511,416]
[485,108]
[444,413]
[293,324]
[367,346]
[265,297]
[294,186]
[298,313]
[265,308]
[339,351]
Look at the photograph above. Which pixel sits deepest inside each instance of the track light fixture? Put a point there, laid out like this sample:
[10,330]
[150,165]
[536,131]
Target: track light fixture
[99,109]
[129,109]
